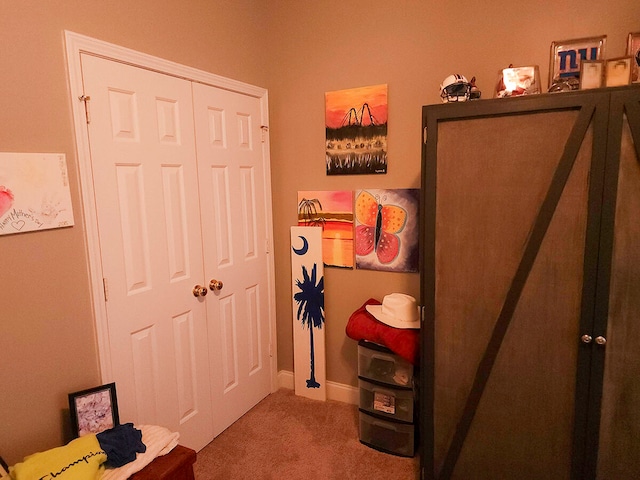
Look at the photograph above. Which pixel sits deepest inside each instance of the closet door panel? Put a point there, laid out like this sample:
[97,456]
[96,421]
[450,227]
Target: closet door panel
[619,441]
[524,422]
[490,188]
[145,181]
[526,409]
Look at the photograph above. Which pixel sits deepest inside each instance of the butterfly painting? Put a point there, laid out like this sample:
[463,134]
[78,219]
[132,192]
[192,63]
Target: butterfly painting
[386,230]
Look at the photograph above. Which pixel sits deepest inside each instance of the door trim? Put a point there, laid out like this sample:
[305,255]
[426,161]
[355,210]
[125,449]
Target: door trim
[76,44]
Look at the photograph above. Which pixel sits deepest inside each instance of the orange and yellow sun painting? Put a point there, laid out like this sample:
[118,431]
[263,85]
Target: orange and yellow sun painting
[333,211]
[356,130]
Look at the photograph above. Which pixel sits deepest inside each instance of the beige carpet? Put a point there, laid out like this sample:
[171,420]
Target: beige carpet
[290,437]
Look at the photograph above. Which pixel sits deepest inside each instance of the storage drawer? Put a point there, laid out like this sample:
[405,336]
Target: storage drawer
[375,363]
[393,403]
[387,436]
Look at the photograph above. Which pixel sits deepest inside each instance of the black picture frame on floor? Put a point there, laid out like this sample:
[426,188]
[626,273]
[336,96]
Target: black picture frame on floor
[94,410]
[4,469]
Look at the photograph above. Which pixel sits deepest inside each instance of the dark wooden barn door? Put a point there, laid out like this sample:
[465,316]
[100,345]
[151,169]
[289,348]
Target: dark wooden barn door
[618,318]
[513,198]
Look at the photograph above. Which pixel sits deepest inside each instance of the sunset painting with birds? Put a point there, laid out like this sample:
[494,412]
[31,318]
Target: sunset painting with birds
[356,130]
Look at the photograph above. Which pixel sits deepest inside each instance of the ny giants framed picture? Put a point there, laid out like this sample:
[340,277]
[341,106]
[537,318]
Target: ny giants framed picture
[567,55]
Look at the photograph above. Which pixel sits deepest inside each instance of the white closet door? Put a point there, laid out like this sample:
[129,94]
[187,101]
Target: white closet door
[146,193]
[233,180]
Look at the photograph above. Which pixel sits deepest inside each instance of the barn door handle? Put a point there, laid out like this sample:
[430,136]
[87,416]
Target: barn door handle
[215,285]
[600,340]
[199,291]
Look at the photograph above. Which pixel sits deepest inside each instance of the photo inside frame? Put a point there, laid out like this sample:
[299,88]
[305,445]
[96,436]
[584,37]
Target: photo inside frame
[93,410]
[618,72]
[591,76]
[520,81]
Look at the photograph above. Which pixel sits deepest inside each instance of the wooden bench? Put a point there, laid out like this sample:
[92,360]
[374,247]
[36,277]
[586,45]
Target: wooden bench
[175,465]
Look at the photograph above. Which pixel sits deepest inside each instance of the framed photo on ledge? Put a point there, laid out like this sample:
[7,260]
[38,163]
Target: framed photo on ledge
[633,51]
[618,71]
[591,74]
[94,410]
[567,55]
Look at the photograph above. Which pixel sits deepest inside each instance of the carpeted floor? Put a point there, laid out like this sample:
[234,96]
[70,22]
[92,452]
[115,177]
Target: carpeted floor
[290,437]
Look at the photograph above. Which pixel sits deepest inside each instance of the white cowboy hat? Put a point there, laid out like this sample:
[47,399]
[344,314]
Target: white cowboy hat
[397,310]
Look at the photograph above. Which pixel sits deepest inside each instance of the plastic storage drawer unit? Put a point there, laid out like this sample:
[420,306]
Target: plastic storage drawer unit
[387,436]
[376,364]
[389,402]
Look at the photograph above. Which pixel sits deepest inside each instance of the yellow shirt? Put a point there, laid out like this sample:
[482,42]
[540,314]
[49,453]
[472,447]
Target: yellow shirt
[80,459]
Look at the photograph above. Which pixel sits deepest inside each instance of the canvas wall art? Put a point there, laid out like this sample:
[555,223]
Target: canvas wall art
[333,212]
[34,192]
[387,229]
[307,275]
[356,130]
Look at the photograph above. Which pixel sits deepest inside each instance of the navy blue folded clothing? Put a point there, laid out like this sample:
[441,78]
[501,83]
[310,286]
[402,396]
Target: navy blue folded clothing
[121,444]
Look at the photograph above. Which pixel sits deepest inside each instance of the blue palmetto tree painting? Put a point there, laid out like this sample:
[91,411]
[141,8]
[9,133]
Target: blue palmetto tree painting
[310,301]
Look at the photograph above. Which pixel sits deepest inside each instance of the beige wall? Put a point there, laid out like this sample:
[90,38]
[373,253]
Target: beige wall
[296,49]
[411,46]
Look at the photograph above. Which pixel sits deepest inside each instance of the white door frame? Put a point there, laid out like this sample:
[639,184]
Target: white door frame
[77,44]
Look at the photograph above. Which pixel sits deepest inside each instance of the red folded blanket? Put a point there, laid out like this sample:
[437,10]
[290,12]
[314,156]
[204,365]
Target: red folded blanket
[403,342]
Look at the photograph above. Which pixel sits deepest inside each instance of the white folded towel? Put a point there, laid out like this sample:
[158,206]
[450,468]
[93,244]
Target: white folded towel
[158,440]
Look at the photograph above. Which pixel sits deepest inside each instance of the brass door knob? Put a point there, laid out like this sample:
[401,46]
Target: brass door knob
[215,285]
[600,340]
[586,338]
[199,291]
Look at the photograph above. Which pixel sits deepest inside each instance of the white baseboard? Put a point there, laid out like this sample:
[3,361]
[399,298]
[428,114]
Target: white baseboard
[335,391]
[285,379]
